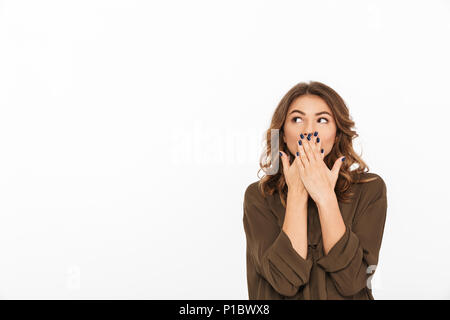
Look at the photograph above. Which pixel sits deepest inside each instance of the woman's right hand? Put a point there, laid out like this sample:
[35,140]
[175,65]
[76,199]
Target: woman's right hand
[292,175]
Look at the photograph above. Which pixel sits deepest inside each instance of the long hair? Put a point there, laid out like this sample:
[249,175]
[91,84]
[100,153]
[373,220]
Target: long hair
[342,146]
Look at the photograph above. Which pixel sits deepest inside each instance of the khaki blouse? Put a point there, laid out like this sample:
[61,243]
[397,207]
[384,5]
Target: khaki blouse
[276,271]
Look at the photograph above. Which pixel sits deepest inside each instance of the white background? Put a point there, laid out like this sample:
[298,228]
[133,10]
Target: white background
[129,131]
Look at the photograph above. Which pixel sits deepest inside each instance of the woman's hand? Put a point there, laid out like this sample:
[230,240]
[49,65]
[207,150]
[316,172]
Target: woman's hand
[292,175]
[318,180]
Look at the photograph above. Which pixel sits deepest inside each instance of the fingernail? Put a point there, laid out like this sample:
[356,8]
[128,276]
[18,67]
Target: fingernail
[301,135]
[300,142]
[315,133]
[281,154]
[343,159]
[297,153]
[321,150]
[309,137]
[318,139]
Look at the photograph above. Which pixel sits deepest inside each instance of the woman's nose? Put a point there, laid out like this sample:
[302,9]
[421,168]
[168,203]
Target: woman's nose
[312,133]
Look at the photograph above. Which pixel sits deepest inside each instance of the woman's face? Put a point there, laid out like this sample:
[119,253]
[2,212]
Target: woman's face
[309,113]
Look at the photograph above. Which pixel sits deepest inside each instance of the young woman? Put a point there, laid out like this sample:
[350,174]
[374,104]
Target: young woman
[314,229]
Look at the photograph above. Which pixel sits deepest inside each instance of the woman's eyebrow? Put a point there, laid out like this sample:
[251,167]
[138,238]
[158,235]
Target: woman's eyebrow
[317,114]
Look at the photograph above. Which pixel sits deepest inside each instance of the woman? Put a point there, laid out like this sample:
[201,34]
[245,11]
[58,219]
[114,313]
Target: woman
[313,229]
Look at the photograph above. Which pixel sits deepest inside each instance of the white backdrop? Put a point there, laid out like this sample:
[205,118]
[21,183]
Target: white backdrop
[129,131]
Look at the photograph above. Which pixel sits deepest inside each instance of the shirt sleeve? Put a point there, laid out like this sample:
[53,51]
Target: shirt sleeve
[353,259]
[269,248]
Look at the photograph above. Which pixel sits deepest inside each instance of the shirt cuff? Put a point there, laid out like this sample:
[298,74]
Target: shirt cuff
[286,259]
[342,253]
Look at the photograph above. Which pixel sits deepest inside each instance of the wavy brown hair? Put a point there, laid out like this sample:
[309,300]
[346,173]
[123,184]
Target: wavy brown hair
[269,184]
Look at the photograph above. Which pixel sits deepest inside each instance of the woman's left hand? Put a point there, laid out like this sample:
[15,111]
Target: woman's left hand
[318,180]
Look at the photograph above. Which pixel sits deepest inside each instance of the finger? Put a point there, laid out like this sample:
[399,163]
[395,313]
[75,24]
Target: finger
[337,165]
[302,154]
[308,146]
[318,146]
[284,160]
[298,162]
[336,168]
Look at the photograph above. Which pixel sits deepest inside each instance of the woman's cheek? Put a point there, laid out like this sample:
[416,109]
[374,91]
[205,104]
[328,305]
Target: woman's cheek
[293,143]
[324,145]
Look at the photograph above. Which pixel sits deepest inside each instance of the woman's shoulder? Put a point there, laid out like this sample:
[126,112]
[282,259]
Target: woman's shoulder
[372,185]
[253,192]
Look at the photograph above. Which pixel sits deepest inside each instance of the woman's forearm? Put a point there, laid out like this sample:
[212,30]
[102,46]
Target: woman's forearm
[296,221]
[331,221]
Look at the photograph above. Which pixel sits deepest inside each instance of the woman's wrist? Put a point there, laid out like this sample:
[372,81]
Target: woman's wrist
[298,196]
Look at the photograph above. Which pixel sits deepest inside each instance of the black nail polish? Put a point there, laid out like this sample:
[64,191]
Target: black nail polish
[315,133]
[299,142]
[343,159]
[309,137]
[321,150]
[297,153]
[301,135]
[318,139]
[281,154]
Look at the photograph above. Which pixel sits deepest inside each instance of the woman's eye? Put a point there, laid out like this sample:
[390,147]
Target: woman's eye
[293,119]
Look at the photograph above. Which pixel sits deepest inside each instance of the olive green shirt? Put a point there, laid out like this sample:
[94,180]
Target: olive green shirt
[276,271]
